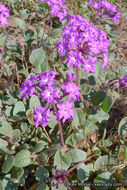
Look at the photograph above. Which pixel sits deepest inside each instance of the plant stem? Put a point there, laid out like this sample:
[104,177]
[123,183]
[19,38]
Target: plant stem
[61,135]
[77,76]
[60,129]
[83,161]
[2,65]
[48,137]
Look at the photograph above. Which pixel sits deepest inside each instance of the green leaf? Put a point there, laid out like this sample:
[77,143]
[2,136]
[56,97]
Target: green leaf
[111,57]
[1,186]
[19,108]
[104,178]
[89,127]
[3,143]
[22,159]
[43,157]
[107,143]
[39,146]
[22,179]
[8,111]
[106,163]
[85,89]
[101,115]
[41,174]
[25,13]
[8,99]
[34,102]
[82,172]
[92,80]
[122,130]
[77,155]
[110,75]
[96,151]
[8,164]
[98,97]
[44,65]
[81,117]
[43,186]
[29,35]
[2,39]
[100,72]
[8,184]
[107,103]
[54,122]
[62,160]
[122,71]
[37,56]
[20,23]
[5,128]
[16,174]
[16,135]
[61,186]
[108,28]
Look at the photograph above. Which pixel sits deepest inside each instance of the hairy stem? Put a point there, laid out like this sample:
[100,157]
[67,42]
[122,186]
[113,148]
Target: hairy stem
[83,161]
[48,137]
[60,129]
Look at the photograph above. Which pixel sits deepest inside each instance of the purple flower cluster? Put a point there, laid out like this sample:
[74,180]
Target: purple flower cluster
[4,14]
[57,8]
[83,44]
[42,114]
[28,87]
[105,10]
[43,85]
[123,81]
[60,178]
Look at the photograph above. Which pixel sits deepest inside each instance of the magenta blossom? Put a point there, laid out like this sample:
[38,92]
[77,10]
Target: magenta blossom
[70,88]
[50,94]
[59,177]
[83,44]
[65,111]
[42,114]
[123,81]
[4,14]
[105,10]
[28,87]
[57,8]
[47,78]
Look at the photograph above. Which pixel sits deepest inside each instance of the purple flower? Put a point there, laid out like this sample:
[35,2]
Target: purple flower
[123,81]
[4,14]
[28,87]
[57,8]
[83,44]
[46,79]
[70,88]
[105,10]
[50,94]
[60,178]
[42,114]
[65,111]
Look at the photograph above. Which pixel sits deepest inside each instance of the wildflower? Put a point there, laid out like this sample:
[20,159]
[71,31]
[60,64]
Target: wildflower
[50,94]
[123,81]
[46,79]
[57,8]
[28,87]
[4,14]
[59,177]
[83,44]
[65,111]
[42,114]
[70,88]
[105,10]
